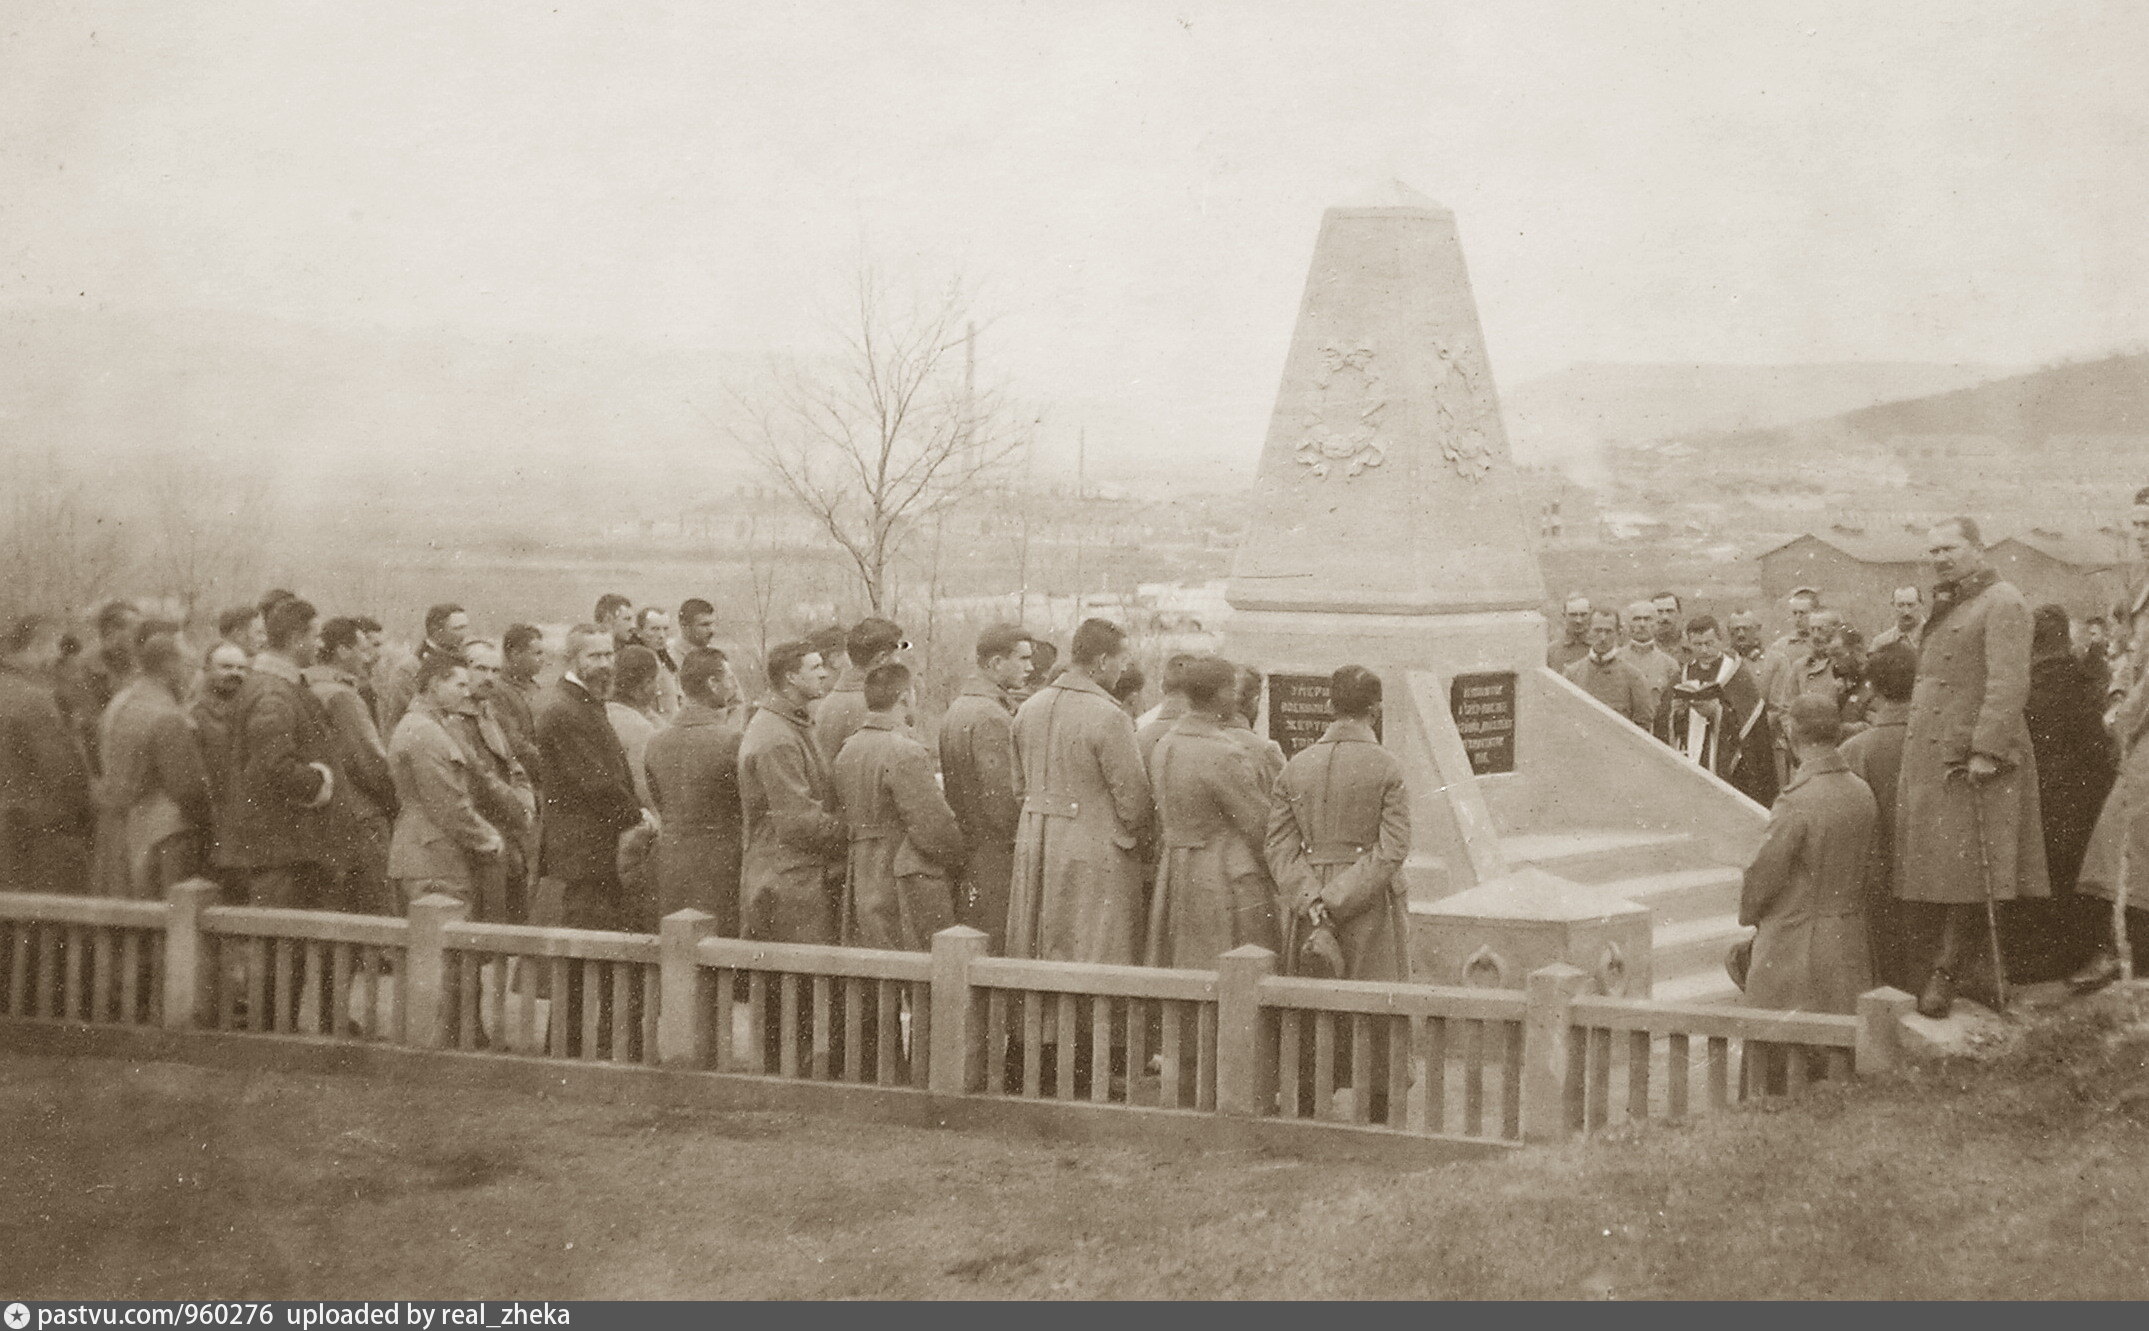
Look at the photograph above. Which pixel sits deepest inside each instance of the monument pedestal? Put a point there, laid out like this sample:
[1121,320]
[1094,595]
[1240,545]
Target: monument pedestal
[1389,530]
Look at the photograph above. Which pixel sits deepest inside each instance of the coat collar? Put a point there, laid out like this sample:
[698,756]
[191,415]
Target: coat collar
[280,666]
[851,680]
[977,686]
[880,721]
[1076,680]
[692,713]
[777,704]
[1349,730]
[1948,595]
[1825,765]
[1194,723]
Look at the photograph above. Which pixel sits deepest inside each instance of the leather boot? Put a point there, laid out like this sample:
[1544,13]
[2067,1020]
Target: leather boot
[2100,970]
[1938,999]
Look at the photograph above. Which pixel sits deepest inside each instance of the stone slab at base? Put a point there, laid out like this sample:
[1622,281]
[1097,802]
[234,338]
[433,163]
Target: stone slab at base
[1495,934]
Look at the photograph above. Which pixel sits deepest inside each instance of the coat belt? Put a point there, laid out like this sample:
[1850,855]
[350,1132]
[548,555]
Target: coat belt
[1336,852]
[876,831]
[1048,805]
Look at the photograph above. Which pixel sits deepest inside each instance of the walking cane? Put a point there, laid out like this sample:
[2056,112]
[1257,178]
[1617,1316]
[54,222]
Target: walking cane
[2119,896]
[1984,864]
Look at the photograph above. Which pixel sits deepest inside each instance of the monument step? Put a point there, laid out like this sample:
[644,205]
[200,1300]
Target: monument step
[1600,855]
[1693,945]
[1683,894]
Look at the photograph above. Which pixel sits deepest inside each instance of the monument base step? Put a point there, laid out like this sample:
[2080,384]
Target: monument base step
[1603,855]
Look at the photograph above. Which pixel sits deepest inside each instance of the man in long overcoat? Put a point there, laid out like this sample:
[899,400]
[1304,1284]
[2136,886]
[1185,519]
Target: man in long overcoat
[977,767]
[45,809]
[906,847]
[1077,891]
[505,795]
[871,642]
[1875,756]
[589,799]
[361,817]
[1967,760]
[155,785]
[274,830]
[1339,831]
[1213,891]
[441,842]
[1804,893]
[693,767]
[791,869]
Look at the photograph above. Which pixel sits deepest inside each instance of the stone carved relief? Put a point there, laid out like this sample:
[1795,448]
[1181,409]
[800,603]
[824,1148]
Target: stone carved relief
[1343,421]
[1611,972]
[1485,969]
[1460,398]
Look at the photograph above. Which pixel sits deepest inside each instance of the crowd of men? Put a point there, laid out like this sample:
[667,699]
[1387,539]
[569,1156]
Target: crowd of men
[298,762]
[1944,806]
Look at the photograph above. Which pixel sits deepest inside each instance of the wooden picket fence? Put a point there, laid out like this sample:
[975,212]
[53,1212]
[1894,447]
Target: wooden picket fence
[1483,1065]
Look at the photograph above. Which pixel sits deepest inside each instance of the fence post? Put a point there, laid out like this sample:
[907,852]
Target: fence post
[1547,1029]
[1880,1031]
[682,1029]
[189,975]
[1245,1061]
[425,961]
[958,1036]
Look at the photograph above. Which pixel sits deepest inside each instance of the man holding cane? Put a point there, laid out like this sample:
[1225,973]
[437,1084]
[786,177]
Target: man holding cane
[1967,827]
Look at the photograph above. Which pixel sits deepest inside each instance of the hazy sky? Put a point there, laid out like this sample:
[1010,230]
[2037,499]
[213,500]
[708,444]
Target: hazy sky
[1137,185]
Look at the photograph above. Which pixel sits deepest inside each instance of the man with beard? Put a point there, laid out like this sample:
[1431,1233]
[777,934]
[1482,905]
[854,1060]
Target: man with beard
[589,799]
[1744,630]
[362,814]
[224,669]
[445,628]
[697,628]
[274,830]
[1716,716]
[1968,818]
[500,784]
[792,865]
[45,809]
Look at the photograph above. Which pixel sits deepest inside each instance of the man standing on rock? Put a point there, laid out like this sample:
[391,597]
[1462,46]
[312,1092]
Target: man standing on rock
[1967,819]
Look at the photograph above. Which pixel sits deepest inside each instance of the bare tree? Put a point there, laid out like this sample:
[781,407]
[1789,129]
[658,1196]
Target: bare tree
[884,433]
[205,527]
[61,545]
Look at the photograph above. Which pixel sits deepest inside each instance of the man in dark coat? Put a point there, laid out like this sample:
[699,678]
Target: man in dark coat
[1716,716]
[1804,893]
[977,765]
[589,799]
[1967,820]
[693,767]
[274,834]
[906,847]
[791,870]
[1875,756]
[45,809]
[2075,767]
[500,782]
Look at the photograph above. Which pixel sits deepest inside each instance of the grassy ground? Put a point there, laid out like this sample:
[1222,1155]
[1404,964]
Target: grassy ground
[2020,1180]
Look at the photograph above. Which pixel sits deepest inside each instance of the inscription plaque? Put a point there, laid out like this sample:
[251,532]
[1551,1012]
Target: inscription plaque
[1299,711]
[1483,706]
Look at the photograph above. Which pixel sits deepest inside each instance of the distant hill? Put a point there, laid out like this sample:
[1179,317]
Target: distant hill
[1569,416]
[2107,396]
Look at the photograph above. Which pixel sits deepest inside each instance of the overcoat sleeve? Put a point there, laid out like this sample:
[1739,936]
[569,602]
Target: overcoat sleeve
[1236,785]
[1287,842]
[1769,876]
[180,772]
[1120,762]
[2007,679]
[272,751]
[365,760]
[990,742]
[801,821]
[928,822]
[441,783]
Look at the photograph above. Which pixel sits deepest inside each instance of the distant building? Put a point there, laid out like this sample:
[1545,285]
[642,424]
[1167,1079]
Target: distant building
[2084,573]
[1856,571]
